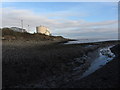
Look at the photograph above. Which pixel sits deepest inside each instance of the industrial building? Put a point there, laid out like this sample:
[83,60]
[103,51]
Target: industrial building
[18,29]
[43,30]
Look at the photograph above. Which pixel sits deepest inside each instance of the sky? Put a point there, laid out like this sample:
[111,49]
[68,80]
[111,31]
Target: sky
[68,19]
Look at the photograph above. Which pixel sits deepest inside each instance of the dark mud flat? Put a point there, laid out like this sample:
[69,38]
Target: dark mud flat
[106,77]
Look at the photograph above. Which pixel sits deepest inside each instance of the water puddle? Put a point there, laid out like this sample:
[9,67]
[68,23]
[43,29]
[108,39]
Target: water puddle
[105,55]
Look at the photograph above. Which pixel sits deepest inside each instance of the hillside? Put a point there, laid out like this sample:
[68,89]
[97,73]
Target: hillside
[10,35]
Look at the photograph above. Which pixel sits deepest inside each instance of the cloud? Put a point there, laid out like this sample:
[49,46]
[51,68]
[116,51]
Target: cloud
[59,25]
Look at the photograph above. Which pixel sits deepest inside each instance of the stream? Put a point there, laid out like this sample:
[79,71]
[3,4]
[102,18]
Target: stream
[105,56]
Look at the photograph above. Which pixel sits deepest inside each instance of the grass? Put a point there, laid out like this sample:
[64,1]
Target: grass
[11,35]
[25,64]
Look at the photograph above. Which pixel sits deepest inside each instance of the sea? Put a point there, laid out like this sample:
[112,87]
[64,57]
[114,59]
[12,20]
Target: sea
[89,41]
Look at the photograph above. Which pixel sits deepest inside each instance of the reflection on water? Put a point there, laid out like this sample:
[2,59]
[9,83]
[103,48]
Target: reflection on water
[105,55]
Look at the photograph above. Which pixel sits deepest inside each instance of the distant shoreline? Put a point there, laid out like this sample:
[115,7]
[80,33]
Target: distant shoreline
[78,41]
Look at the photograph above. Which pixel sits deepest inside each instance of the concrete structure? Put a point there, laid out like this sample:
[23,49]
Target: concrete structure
[43,30]
[18,29]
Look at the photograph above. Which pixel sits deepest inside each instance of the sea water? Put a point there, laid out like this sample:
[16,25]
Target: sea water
[87,41]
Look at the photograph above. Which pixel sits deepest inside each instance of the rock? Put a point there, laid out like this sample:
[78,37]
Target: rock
[116,50]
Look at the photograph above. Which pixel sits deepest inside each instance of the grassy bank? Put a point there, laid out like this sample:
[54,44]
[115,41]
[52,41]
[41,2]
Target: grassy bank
[10,35]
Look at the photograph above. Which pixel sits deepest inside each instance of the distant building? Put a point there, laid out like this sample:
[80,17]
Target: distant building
[43,30]
[18,29]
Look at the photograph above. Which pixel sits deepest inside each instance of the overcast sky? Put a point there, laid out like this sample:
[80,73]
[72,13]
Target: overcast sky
[69,19]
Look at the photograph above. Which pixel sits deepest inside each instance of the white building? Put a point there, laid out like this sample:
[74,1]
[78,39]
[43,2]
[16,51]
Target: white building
[18,29]
[43,30]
